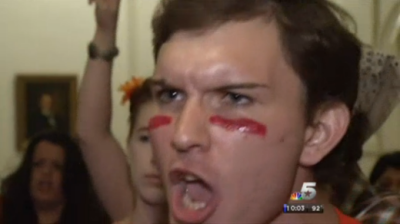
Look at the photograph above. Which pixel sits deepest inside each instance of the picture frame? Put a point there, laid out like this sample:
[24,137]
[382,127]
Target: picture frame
[44,102]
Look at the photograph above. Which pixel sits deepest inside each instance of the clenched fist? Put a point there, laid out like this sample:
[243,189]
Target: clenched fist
[106,14]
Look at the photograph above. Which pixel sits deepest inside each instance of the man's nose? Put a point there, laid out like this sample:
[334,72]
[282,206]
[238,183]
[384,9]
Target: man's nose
[191,130]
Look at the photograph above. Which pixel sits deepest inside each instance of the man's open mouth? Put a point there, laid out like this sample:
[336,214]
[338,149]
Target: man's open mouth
[193,199]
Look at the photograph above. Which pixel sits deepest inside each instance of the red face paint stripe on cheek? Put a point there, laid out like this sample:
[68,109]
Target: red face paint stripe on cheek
[159,121]
[242,125]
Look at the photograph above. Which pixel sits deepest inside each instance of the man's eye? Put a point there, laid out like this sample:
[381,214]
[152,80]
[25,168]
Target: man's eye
[144,138]
[238,99]
[169,95]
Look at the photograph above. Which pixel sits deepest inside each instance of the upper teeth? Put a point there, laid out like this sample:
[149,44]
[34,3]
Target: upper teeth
[190,178]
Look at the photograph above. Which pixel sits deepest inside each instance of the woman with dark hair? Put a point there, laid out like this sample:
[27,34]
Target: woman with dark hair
[386,173]
[51,186]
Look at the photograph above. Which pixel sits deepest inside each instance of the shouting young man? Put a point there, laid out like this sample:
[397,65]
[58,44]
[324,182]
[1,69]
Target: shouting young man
[255,98]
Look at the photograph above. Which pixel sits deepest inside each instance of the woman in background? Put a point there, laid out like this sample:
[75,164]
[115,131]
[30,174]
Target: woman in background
[113,180]
[51,186]
[385,176]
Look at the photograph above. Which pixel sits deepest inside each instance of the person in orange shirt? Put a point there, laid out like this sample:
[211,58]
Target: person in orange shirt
[255,98]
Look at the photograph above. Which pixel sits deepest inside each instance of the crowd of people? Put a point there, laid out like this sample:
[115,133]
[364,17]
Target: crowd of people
[249,101]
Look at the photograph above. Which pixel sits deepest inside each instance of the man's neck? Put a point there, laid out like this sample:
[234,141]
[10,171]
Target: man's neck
[49,214]
[146,213]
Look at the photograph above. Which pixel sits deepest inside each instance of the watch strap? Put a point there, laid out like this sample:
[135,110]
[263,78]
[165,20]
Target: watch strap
[107,55]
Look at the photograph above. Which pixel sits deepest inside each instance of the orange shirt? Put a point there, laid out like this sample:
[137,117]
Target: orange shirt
[344,219]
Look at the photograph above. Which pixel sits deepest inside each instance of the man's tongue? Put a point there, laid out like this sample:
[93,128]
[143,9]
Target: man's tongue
[198,192]
[196,196]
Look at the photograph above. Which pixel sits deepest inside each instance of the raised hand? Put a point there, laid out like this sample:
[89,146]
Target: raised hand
[106,14]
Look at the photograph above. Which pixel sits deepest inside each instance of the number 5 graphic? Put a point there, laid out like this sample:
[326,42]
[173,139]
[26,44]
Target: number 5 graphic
[308,190]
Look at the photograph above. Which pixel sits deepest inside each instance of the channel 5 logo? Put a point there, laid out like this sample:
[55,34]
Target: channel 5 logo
[307,192]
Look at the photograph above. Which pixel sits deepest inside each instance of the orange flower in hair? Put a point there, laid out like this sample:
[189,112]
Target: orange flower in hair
[129,88]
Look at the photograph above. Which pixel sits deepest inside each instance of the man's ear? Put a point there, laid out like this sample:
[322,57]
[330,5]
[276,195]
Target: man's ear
[329,125]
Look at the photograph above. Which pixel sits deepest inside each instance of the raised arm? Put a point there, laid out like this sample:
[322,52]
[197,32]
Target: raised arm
[104,156]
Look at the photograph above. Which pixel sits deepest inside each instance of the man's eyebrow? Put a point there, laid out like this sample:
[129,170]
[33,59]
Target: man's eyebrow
[248,85]
[241,86]
[158,82]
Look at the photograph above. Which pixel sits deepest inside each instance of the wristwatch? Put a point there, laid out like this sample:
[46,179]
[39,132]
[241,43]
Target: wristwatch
[95,53]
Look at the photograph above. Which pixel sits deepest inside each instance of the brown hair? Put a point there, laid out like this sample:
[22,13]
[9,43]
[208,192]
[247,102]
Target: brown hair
[140,96]
[317,45]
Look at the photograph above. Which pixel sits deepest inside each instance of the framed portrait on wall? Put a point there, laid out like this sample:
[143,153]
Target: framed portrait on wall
[44,102]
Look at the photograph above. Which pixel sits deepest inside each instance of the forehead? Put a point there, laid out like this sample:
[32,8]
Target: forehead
[250,48]
[47,149]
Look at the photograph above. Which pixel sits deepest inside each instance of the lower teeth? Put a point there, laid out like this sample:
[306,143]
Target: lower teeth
[190,204]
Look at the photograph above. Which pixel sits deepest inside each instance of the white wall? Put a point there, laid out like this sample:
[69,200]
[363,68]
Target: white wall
[49,36]
[361,11]
[140,36]
[390,131]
